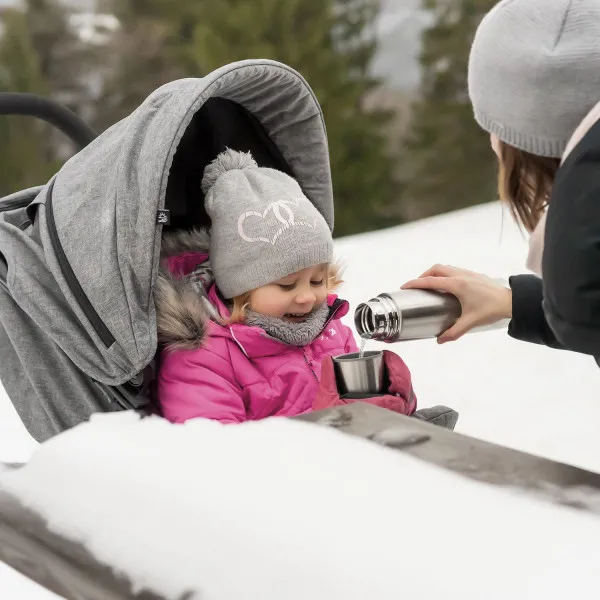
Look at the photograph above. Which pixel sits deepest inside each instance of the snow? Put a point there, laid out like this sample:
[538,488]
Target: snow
[281,509]
[16,445]
[300,500]
[16,587]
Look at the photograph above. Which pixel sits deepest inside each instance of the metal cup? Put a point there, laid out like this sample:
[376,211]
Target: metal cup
[359,375]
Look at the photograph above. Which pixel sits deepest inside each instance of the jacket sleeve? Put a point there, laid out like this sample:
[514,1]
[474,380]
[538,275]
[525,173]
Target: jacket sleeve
[529,321]
[571,261]
[199,384]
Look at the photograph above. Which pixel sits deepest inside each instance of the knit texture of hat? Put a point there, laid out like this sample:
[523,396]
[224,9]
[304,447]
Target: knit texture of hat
[263,226]
[534,71]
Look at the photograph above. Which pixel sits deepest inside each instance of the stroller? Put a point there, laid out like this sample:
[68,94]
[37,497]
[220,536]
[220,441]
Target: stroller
[79,256]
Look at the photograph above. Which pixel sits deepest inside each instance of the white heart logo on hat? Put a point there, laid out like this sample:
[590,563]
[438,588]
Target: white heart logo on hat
[285,222]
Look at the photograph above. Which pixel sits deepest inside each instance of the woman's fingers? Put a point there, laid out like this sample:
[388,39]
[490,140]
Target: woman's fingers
[433,282]
[444,271]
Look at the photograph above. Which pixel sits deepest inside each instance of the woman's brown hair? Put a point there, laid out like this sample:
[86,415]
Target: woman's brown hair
[525,182]
[242,303]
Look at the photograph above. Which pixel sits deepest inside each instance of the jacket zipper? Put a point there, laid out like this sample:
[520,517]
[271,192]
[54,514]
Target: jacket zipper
[308,364]
[334,310]
[84,302]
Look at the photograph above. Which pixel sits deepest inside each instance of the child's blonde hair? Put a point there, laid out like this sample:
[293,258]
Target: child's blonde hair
[242,303]
[525,181]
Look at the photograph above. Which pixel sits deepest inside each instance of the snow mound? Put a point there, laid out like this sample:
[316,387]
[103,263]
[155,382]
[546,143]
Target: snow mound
[284,509]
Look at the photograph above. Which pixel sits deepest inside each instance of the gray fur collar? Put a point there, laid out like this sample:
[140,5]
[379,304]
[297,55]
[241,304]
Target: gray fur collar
[182,311]
[294,334]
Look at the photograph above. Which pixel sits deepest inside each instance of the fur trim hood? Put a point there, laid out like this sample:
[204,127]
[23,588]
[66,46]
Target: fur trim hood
[180,296]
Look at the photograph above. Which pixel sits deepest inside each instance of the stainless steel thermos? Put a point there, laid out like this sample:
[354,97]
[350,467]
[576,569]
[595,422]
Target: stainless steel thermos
[410,315]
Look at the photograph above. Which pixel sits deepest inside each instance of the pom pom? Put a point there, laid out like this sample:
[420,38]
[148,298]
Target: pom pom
[229,160]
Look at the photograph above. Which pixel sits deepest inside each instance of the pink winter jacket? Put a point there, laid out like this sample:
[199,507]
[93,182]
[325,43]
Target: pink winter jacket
[233,373]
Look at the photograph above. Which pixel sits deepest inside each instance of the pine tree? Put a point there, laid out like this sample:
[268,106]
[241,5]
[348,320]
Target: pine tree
[448,164]
[40,54]
[141,56]
[329,42]
[22,158]
[69,65]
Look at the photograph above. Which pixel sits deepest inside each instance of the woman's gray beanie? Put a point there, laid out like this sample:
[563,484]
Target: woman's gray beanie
[534,71]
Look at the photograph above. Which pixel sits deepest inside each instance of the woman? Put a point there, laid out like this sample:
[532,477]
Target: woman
[534,83]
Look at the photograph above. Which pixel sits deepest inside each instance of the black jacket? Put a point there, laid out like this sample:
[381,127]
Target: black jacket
[529,321]
[571,261]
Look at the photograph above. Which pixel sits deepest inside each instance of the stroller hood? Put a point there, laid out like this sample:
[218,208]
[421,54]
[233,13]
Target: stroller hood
[89,282]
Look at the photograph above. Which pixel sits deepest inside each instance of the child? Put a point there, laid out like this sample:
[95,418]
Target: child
[249,344]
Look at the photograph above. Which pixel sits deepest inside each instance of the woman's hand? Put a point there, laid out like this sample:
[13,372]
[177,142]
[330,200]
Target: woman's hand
[483,300]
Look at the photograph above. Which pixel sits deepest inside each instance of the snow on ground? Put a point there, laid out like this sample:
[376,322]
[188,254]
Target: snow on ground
[16,445]
[282,509]
[527,397]
[13,586]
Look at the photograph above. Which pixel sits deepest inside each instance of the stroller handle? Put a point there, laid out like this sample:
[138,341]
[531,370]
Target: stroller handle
[13,103]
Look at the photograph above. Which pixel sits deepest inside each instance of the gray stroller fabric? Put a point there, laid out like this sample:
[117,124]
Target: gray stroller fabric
[59,336]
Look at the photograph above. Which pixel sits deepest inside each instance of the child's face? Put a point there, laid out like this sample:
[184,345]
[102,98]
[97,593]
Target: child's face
[293,297]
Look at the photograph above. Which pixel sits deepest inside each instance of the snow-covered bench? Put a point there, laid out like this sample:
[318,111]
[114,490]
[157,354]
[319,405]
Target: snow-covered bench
[335,472]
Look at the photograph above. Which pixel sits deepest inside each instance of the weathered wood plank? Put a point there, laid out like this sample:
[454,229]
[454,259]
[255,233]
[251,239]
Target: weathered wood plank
[58,564]
[552,481]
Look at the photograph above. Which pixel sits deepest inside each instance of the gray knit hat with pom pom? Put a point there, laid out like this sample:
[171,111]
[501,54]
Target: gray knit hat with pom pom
[263,226]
